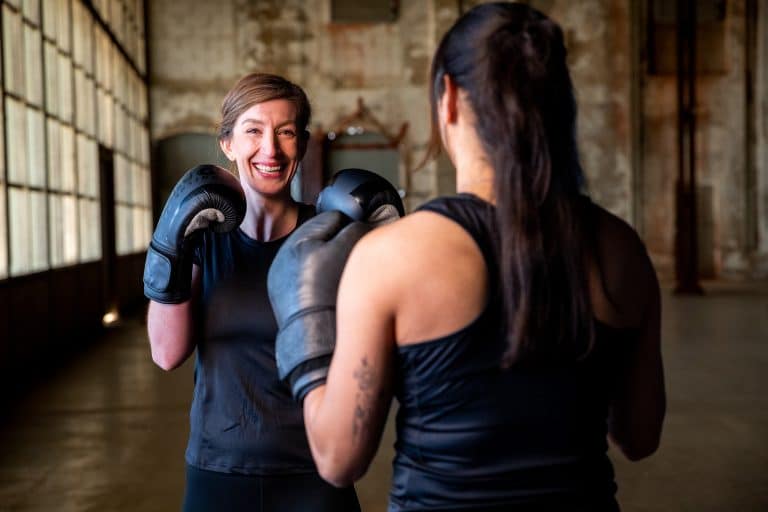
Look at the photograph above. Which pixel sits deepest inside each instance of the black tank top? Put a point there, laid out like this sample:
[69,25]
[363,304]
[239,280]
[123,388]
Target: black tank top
[472,436]
[243,418]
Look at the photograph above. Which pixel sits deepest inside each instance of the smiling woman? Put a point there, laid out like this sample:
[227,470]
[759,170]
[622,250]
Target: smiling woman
[247,448]
[266,147]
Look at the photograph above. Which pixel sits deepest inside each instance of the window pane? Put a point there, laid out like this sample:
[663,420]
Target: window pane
[51,78]
[87,165]
[16,127]
[64,25]
[69,218]
[132,146]
[90,229]
[39,230]
[86,35]
[35,148]
[136,183]
[145,189]
[54,154]
[32,11]
[65,88]
[119,79]
[13,51]
[50,18]
[89,101]
[80,96]
[144,146]
[140,242]
[131,88]
[121,130]
[116,20]
[103,59]
[33,47]
[67,158]
[84,102]
[20,222]
[2,153]
[105,115]
[79,33]
[141,62]
[102,8]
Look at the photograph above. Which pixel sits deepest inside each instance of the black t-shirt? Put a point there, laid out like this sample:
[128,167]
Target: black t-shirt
[243,418]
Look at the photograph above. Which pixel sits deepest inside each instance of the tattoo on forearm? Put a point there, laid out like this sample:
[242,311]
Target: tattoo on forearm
[363,400]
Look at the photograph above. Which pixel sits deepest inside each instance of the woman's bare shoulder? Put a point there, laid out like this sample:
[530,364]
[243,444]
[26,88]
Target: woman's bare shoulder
[427,270]
[627,280]
[421,233]
[616,231]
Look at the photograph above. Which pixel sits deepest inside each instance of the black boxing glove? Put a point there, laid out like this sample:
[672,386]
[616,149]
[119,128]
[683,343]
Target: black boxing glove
[303,281]
[207,196]
[304,277]
[362,195]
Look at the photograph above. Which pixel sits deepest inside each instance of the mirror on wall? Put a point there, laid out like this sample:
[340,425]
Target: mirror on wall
[361,140]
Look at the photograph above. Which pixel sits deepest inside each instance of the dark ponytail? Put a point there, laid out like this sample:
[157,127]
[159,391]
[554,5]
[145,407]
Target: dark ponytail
[510,60]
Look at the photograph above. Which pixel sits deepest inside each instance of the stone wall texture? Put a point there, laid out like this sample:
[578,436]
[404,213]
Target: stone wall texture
[628,144]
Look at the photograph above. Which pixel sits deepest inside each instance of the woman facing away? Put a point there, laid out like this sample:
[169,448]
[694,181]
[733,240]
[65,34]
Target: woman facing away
[247,447]
[517,323]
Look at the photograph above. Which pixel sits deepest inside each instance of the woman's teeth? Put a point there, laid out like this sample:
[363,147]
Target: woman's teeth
[267,168]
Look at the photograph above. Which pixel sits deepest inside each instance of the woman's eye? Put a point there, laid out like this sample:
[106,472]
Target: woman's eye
[287,133]
[255,131]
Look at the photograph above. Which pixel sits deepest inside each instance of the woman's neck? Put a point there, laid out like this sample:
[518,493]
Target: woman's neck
[474,172]
[475,177]
[269,218]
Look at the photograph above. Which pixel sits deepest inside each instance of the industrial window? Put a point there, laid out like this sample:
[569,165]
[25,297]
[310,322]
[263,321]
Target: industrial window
[35,148]
[371,11]
[13,54]
[33,66]
[66,88]
[3,195]
[16,135]
[31,10]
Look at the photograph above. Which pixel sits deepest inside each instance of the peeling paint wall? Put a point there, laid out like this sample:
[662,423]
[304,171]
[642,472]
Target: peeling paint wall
[720,106]
[760,257]
[193,60]
[721,165]
[198,49]
[597,38]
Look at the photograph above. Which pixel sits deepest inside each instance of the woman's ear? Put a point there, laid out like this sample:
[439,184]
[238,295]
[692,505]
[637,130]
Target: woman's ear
[226,148]
[447,105]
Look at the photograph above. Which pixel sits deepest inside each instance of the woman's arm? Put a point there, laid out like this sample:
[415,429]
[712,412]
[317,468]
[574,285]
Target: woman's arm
[637,412]
[171,329]
[345,418]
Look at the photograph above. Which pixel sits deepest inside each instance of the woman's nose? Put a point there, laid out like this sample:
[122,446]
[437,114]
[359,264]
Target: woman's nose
[269,145]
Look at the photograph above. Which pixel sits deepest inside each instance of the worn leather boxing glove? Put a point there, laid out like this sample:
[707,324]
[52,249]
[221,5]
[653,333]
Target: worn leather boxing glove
[207,196]
[302,282]
[362,195]
[304,277]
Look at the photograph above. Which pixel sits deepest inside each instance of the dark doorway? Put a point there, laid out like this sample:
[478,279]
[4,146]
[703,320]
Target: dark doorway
[108,243]
[176,154]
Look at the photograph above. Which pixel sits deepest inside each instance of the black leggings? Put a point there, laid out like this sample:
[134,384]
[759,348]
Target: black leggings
[209,491]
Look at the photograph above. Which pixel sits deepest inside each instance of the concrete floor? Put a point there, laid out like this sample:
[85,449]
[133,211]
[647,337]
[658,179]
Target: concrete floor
[108,431]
